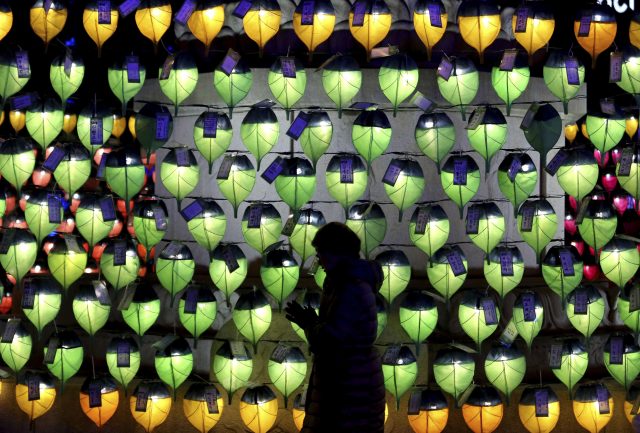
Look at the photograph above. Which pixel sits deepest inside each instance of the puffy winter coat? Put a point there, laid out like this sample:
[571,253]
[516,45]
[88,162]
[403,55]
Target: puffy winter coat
[346,388]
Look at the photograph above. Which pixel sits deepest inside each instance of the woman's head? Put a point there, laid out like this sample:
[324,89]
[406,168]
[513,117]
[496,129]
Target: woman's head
[335,241]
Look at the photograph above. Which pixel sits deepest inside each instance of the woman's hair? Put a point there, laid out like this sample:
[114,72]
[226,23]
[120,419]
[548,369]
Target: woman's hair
[337,238]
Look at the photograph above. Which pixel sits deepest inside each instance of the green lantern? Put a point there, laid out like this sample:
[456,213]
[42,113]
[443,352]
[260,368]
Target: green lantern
[504,269]
[631,182]
[239,183]
[20,254]
[398,79]
[461,88]
[143,310]
[605,130]
[90,311]
[287,371]
[228,268]
[368,222]
[150,222]
[572,364]
[630,74]
[630,318]
[429,228]
[66,74]
[94,127]
[585,309]
[316,136]
[153,127]
[232,365]
[435,136]
[174,362]
[460,179]
[178,77]
[95,217]
[510,84]
[453,370]
[68,357]
[562,270]
[447,270]
[13,79]
[341,80]
[490,225]
[17,351]
[505,368]
[544,130]
[208,225]
[418,316]
[119,263]
[346,178]
[400,370]
[319,276]
[558,68]
[179,172]
[537,223]
[197,311]
[212,134]
[476,317]
[489,135]
[261,226]
[619,261]
[4,193]
[279,273]
[397,273]
[74,169]
[175,268]
[371,134]
[310,299]
[17,161]
[404,183]
[286,89]
[43,213]
[123,359]
[41,301]
[382,314]
[517,178]
[599,224]
[296,183]
[67,260]
[124,173]
[622,359]
[232,88]
[252,315]
[308,223]
[126,79]
[44,121]
[259,131]
[528,316]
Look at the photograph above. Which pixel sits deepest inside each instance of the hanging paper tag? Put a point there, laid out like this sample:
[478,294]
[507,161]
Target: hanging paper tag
[193,210]
[68,62]
[509,334]
[298,125]
[288,65]
[514,169]
[104,11]
[274,169]
[522,15]
[508,60]
[456,263]
[55,206]
[22,62]
[211,397]
[119,253]
[566,261]
[580,302]
[460,171]
[528,307]
[231,60]
[95,134]
[95,395]
[584,205]
[556,162]
[527,120]
[47,5]
[571,66]
[33,388]
[616,350]
[463,347]
[634,298]
[162,344]
[182,157]
[435,18]
[291,223]
[123,354]
[102,167]
[225,167]
[603,400]
[52,348]
[359,11]
[127,297]
[392,173]
[237,349]
[255,216]
[162,126]
[542,402]
[108,209]
[626,160]
[71,241]
[422,102]
[100,289]
[585,26]
[379,52]
[28,295]
[185,11]
[160,217]
[141,398]
[506,263]
[265,103]
[315,264]
[166,67]
[7,240]
[391,354]
[191,301]
[133,69]
[22,102]
[365,106]
[54,159]
[172,249]
[210,125]
[308,9]
[528,213]
[473,220]
[10,330]
[346,169]
[243,7]
[128,6]
[489,308]
[445,69]
[422,219]
[415,401]
[280,353]
[608,106]
[615,67]
[230,260]
[555,356]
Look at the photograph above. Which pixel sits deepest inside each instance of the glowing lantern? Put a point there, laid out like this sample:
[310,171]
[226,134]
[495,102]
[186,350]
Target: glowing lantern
[504,269]
[212,135]
[429,228]
[206,21]
[432,414]
[119,263]
[279,273]
[100,25]
[630,318]
[479,23]
[66,74]
[435,136]
[398,79]
[47,19]
[595,28]
[316,137]
[346,189]
[150,404]
[124,173]
[593,406]
[287,369]
[397,273]
[16,349]
[369,22]
[13,78]
[179,172]
[74,169]
[259,409]
[447,270]
[578,173]
[41,301]
[265,227]
[510,84]
[239,181]
[232,366]
[69,122]
[252,315]
[622,359]
[517,178]
[418,316]
[462,86]
[91,312]
[68,357]
[341,80]
[314,23]
[562,270]
[453,370]
[173,362]
[476,317]
[619,261]
[197,311]
[296,183]
[150,223]
[585,309]
[119,125]
[143,310]
[382,314]
[571,132]
[539,409]
[203,405]
[369,224]
[490,225]
[460,179]
[153,126]
[629,80]
[232,88]
[556,73]
[99,398]
[95,217]
[483,410]
[262,22]
[94,128]
[544,130]
[308,223]
[535,30]
[605,130]
[43,213]
[178,78]
[572,365]
[126,79]
[400,370]
[208,225]
[430,22]
[298,411]
[505,368]
[6,19]
[537,223]
[175,267]
[286,89]
[528,316]
[20,254]
[17,161]
[17,118]
[259,131]
[228,268]
[37,402]
[491,133]
[153,18]
[123,359]
[67,260]
[404,183]
[599,224]
[631,182]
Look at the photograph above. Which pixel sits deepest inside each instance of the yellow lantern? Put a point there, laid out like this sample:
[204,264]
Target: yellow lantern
[593,406]
[571,131]
[203,406]
[369,22]
[430,21]
[595,28]
[47,18]
[262,21]
[432,414]
[100,25]
[259,409]
[583,130]
[153,18]
[542,417]
[69,122]
[1,117]
[630,125]
[119,125]
[313,22]
[298,411]
[479,23]
[6,19]
[150,404]
[131,124]
[206,21]
[483,410]
[634,31]
[533,25]
[99,398]
[17,118]
[43,393]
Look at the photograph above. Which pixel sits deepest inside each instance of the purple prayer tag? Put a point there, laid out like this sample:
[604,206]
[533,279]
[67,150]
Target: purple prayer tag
[10,330]
[7,240]
[119,253]
[193,210]
[210,125]
[182,157]
[128,6]
[229,62]
[210,397]
[22,102]
[581,301]
[460,171]
[225,167]
[102,167]
[508,60]
[160,217]
[230,259]
[489,308]
[298,125]
[243,7]
[528,213]
[133,69]
[445,69]
[22,62]
[162,126]
[123,354]
[571,65]
[255,216]
[273,171]
[616,350]
[54,159]
[555,356]
[47,5]
[108,209]
[95,131]
[55,206]
[456,263]
[434,15]
[566,262]
[392,173]
[615,67]
[626,160]
[346,169]
[603,400]
[422,219]
[288,65]
[514,168]
[308,9]
[359,11]
[473,220]
[141,399]
[506,263]
[423,103]
[191,301]
[68,62]
[95,395]
[585,26]
[542,402]
[33,388]
[528,307]
[522,15]
[556,162]
[184,13]
[28,295]
[104,12]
